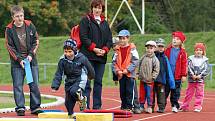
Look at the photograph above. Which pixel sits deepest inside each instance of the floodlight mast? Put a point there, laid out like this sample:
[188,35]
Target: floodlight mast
[142,31]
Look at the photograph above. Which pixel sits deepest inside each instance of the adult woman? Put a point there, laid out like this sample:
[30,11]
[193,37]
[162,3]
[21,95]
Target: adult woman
[96,39]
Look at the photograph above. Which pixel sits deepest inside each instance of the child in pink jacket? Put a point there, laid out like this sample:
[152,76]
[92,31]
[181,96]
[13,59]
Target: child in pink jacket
[197,71]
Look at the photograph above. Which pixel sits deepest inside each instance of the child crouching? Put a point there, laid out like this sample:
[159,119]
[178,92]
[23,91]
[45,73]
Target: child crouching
[72,65]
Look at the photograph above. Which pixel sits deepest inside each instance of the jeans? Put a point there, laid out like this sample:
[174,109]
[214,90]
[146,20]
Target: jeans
[97,86]
[18,75]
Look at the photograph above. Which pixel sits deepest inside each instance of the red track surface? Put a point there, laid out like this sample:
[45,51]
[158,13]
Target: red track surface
[111,101]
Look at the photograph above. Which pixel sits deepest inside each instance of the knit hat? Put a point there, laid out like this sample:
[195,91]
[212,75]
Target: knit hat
[160,41]
[70,43]
[201,46]
[124,33]
[180,35]
[152,43]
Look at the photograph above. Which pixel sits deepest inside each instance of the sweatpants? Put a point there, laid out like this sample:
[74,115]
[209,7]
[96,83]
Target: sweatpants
[159,93]
[126,87]
[198,89]
[174,94]
[71,96]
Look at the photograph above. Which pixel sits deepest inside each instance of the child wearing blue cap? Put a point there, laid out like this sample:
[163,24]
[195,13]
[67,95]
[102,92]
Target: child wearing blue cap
[72,64]
[124,63]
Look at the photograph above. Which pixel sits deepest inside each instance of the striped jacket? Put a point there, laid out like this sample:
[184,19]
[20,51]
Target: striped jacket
[130,63]
[197,66]
[13,45]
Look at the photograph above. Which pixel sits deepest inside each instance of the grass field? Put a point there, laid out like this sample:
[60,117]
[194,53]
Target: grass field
[7,100]
[50,50]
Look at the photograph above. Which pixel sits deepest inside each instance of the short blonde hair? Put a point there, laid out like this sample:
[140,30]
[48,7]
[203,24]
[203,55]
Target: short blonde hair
[16,8]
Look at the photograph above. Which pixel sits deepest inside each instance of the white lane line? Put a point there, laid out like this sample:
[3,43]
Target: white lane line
[153,117]
[115,101]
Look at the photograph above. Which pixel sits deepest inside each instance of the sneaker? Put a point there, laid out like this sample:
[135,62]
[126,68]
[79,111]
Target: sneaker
[83,103]
[183,110]
[137,111]
[20,112]
[198,110]
[160,111]
[72,116]
[142,109]
[37,111]
[149,110]
[174,109]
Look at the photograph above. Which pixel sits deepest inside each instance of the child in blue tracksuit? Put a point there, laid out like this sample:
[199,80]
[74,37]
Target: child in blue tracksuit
[73,65]
[165,77]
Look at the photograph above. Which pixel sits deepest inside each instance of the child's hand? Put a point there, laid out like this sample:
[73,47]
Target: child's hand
[198,77]
[125,71]
[119,73]
[22,64]
[53,91]
[183,79]
[194,77]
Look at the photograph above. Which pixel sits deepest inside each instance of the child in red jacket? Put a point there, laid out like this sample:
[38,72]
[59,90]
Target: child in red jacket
[178,61]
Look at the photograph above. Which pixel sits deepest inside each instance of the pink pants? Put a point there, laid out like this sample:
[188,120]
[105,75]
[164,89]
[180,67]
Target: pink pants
[198,89]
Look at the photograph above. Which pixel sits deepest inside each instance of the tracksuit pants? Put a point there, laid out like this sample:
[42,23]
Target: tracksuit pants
[126,86]
[174,94]
[159,92]
[198,89]
[71,96]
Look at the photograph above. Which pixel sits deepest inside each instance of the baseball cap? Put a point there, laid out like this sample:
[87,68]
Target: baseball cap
[160,41]
[151,42]
[123,33]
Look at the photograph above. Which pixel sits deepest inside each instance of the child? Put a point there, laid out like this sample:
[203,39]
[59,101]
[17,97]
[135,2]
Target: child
[22,43]
[197,71]
[149,67]
[72,65]
[125,61]
[165,77]
[178,61]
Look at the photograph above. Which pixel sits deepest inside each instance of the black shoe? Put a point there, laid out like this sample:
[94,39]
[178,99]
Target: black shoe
[20,112]
[160,111]
[37,111]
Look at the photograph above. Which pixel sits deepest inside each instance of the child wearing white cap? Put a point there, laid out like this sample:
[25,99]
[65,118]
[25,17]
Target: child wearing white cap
[149,67]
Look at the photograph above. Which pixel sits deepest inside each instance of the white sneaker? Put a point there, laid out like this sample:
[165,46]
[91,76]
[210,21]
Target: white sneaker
[174,109]
[149,110]
[197,110]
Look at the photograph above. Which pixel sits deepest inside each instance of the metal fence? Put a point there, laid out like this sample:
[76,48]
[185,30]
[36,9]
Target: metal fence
[108,72]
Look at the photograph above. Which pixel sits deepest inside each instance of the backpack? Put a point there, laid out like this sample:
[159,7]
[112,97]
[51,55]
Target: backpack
[75,34]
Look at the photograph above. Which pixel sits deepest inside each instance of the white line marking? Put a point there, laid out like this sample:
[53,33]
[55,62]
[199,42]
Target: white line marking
[115,101]
[153,117]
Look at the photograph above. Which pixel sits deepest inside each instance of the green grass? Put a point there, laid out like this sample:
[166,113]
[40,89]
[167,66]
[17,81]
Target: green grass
[11,104]
[50,50]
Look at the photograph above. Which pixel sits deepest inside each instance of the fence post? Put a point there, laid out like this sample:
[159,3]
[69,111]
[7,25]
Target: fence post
[109,71]
[211,72]
[44,71]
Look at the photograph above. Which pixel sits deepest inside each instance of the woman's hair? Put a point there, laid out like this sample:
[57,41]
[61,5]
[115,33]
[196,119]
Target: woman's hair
[16,8]
[95,3]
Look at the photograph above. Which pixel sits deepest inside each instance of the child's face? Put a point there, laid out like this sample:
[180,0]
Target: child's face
[18,18]
[176,41]
[160,48]
[199,52]
[69,53]
[123,40]
[97,11]
[150,49]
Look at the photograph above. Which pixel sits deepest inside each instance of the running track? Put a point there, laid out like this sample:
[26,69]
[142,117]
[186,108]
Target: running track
[111,101]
